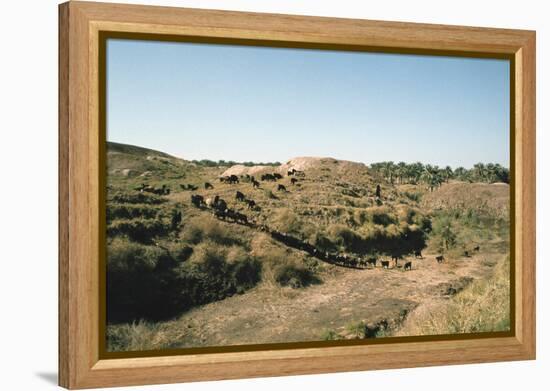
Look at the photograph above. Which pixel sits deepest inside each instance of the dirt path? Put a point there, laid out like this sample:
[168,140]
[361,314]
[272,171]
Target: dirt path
[268,314]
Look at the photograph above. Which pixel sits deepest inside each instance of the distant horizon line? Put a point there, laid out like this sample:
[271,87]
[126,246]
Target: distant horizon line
[305,156]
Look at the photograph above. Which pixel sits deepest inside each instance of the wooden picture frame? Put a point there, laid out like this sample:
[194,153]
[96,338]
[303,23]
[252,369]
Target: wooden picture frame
[81,364]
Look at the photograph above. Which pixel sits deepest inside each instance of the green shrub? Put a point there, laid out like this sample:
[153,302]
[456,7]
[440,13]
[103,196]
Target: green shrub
[201,229]
[382,216]
[140,229]
[137,198]
[322,242]
[153,283]
[288,221]
[130,211]
[346,238]
[416,196]
[294,276]
[134,280]
[358,330]
[180,252]
[330,335]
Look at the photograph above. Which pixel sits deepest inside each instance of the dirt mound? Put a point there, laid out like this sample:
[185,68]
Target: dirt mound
[240,169]
[493,197]
[307,163]
[304,163]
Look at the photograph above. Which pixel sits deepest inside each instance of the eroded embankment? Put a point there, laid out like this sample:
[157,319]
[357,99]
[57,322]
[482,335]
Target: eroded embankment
[350,304]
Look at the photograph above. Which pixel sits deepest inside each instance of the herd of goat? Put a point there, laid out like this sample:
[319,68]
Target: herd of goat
[221,211]
[219,206]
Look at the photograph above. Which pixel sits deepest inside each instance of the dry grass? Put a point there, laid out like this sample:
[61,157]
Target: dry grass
[135,336]
[484,306]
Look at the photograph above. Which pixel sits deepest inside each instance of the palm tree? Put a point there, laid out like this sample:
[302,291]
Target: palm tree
[480,172]
[431,176]
[448,236]
[447,173]
[388,170]
[415,172]
[461,173]
[401,171]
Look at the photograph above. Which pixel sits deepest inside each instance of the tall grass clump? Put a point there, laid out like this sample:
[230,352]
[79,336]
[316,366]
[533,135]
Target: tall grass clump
[483,306]
[154,283]
[201,229]
[137,198]
[140,229]
[294,275]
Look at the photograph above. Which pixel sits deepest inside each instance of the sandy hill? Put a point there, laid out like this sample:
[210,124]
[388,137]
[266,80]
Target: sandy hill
[493,197]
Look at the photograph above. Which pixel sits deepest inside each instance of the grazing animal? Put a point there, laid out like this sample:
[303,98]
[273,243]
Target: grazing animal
[291,172]
[408,266]
[418,254]
[255,184]
[440,258]
[293,181]
[371,261]
[236,216]
[229,179]
[197,200]
[208,185]
[281,187]
[268,177]
[378,191]
[220,214]
[467,254]
[220,204]
[476,248]
[239,196]
[385,264]
[251,204]
[277,176]
[396,257]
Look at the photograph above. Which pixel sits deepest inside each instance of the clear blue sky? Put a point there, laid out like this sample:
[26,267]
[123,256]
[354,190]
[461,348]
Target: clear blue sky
[199,101]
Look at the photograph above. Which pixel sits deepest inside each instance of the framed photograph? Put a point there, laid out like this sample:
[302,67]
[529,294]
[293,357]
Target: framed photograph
[247,195]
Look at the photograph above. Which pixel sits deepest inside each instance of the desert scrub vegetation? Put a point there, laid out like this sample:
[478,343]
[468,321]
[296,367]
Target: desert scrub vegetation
[198,229]
[135,198]
[141,230]
[156,270]
[374,238]
[482,306]
[284,267]
[139,335]
[456,230]
[330,335]
[294,275]
[154,283]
